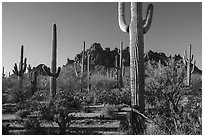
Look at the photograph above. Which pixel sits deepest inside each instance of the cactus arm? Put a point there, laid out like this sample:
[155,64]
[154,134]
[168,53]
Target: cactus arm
[3,75]
[121,17]
[193,68]
[46,70]
[29,67]
[191,58]
[75,69]
[15,71]
[185,60]
[24,65]
[148,20]
[58,71]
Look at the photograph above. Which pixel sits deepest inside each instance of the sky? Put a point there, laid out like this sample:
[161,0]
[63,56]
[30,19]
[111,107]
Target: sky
[174,27]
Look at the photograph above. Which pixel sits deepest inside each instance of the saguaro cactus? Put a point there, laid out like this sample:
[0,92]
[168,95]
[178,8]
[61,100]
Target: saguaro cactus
[82,60]
[52,72]
[3,74]
[190,68]
[137,28]
[121,66]
[116,68]
[22,68]
[88,72]
[81,64]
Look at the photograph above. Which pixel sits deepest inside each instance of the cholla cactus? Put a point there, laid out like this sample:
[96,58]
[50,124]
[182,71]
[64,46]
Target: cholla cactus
[136,29]
[190,68]
[53,73]
[22,68]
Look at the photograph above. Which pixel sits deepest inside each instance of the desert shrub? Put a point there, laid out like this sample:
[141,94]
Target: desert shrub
[114,96]
[105,90]
[8,83]
[196,82]
[101,86]
[64,103]
[68,99]
[43,82]
[165,97]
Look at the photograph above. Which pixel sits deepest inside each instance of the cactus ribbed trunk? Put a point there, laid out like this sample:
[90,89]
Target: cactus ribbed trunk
[116,70]
[20,77]
[136,56]
[53,61]
[121,66]
[82,60]
[52,72]
[137,28]
[3,74]
[189,67]
[88,72]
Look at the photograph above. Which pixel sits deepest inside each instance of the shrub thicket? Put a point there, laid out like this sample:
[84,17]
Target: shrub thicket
[166,99]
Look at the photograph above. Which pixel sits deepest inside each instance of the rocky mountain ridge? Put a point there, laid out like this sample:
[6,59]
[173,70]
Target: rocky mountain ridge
[106,58]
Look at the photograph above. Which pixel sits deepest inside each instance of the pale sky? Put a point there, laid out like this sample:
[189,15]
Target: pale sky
[174,27]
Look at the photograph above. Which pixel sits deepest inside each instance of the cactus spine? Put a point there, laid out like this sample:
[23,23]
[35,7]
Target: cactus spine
[187,61]
[137,28]
[52,72]
[22,68]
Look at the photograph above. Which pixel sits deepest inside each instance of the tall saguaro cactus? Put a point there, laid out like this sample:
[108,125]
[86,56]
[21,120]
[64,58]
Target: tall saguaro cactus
[22,68]
[190,68]
[136,29]
[53,73]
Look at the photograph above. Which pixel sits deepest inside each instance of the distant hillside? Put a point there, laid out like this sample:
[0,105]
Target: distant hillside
[105,58]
